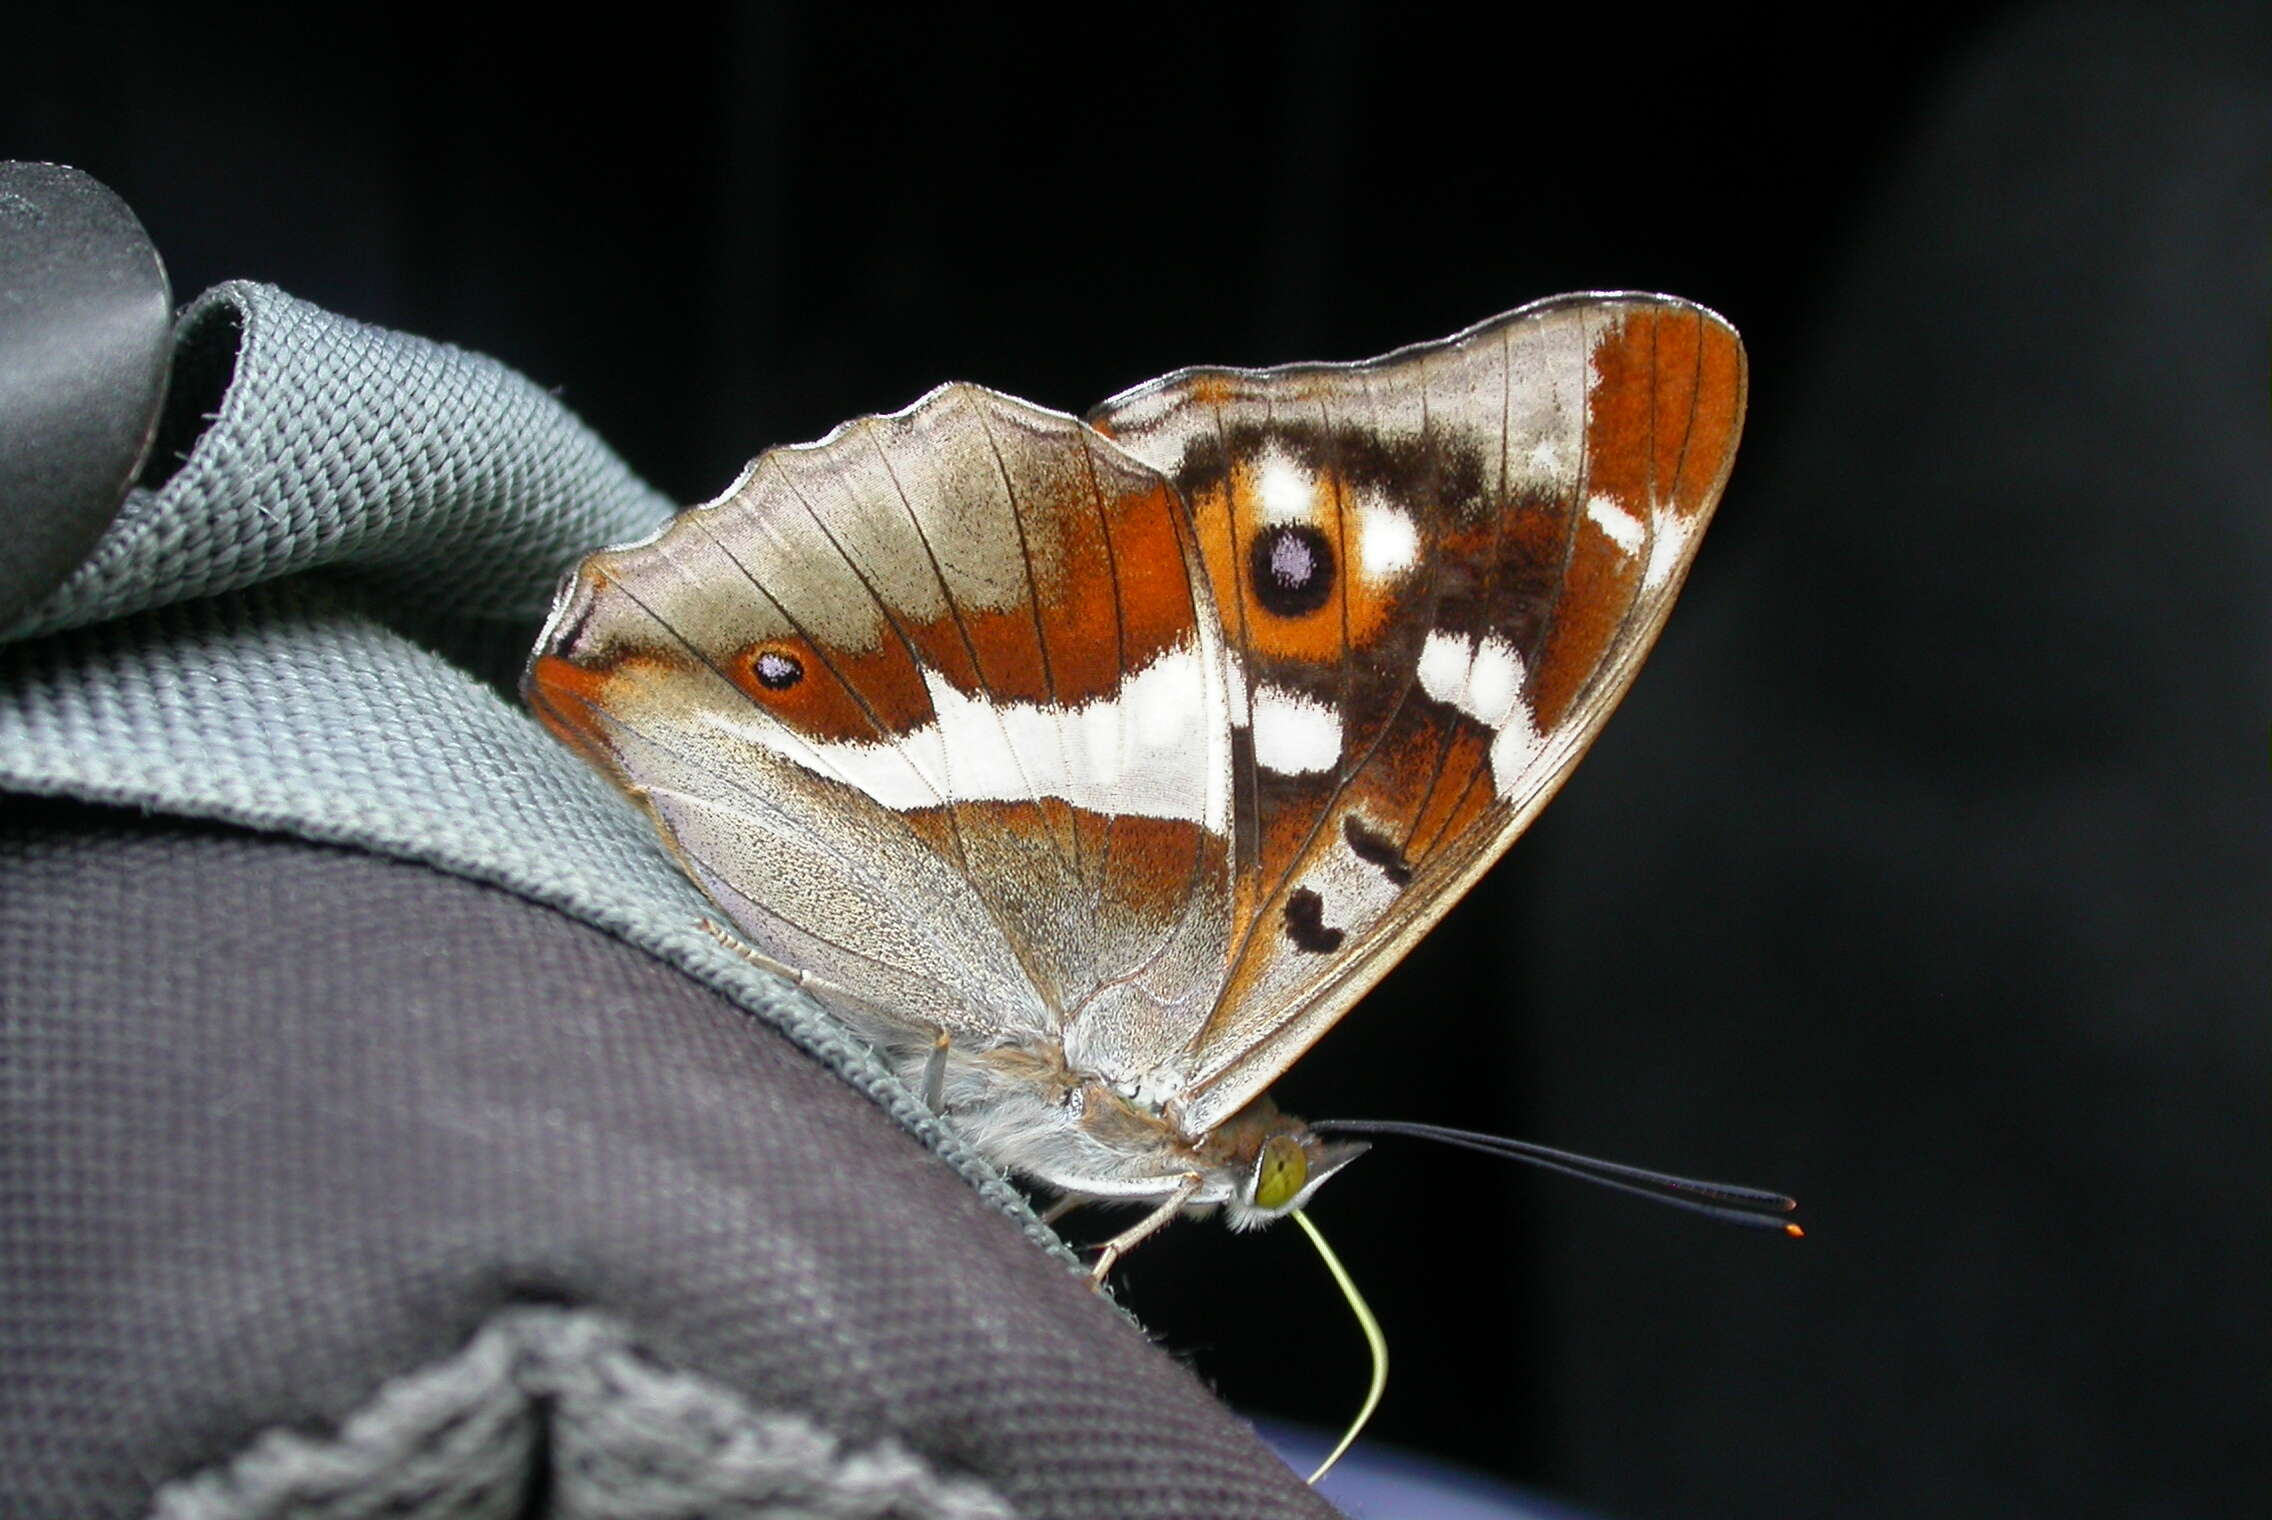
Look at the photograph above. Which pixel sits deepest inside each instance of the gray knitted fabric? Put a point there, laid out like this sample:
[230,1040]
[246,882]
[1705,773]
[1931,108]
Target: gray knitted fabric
[237,647]
[283,1124]
[457,1440]
[440,475]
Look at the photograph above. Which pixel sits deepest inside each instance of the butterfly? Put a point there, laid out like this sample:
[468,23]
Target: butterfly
[1092,768]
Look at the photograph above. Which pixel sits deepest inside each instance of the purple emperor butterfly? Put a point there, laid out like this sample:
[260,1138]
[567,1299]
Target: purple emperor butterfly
[1092,768]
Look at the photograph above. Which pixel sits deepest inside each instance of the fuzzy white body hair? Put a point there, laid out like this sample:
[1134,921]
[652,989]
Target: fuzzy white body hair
[1029,1112]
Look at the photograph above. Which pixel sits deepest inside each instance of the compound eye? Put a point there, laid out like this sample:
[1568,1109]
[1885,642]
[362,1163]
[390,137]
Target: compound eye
[1279,1172]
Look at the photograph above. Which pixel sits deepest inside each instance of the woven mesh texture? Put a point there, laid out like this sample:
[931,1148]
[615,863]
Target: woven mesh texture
[295,705]
[439,475]
[287,1124]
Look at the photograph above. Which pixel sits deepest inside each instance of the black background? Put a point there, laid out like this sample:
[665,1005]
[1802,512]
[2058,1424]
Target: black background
[1925,873]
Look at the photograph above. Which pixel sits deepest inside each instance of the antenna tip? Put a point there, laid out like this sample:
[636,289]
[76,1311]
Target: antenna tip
[1794,1232]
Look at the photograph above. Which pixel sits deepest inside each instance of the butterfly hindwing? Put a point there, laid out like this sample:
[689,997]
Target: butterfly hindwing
[1436,573]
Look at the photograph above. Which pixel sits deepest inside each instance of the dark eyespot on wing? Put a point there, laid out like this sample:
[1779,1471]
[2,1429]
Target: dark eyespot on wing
[1376,850]
[1306,925]
[1291,569]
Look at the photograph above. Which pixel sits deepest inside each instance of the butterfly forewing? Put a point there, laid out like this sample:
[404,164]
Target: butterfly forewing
[1437,573]
[936,709]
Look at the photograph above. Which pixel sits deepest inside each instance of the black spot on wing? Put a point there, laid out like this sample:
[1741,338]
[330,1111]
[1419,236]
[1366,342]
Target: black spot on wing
[1376,850]
[1306,925]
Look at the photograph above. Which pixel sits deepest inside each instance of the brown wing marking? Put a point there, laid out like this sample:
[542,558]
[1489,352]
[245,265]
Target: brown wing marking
[630,691]
[1597,432]
[927,625]
[1306,479]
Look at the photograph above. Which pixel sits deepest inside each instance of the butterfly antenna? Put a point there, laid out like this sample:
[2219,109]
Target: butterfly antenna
[1374,1341]
[1754,1208]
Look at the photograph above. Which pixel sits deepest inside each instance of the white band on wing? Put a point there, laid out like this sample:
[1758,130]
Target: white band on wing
[1156,748]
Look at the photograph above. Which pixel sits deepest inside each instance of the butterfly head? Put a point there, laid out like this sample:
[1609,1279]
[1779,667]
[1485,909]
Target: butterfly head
[1276,1162]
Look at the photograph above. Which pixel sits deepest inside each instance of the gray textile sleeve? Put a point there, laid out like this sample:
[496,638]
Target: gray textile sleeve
[365,494]
[417,1153]
[298,440]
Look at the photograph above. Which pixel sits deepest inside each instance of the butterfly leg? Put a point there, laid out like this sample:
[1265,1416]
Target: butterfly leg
[1109,1254]
[752,954]
[935,1075]
[1062,1207]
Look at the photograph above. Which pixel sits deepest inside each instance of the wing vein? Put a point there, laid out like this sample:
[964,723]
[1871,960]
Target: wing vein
[867,710]
[947,806]
[1072,852]
[1010,936]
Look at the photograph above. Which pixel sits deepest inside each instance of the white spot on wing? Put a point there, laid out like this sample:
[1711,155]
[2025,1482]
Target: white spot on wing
[1624,529]
[1483,680]
[1294,735]
[1512,752]
[1443,666]
[1284,491]
[1388,542]
[1550,459]
[1670,546]
[1494,682]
